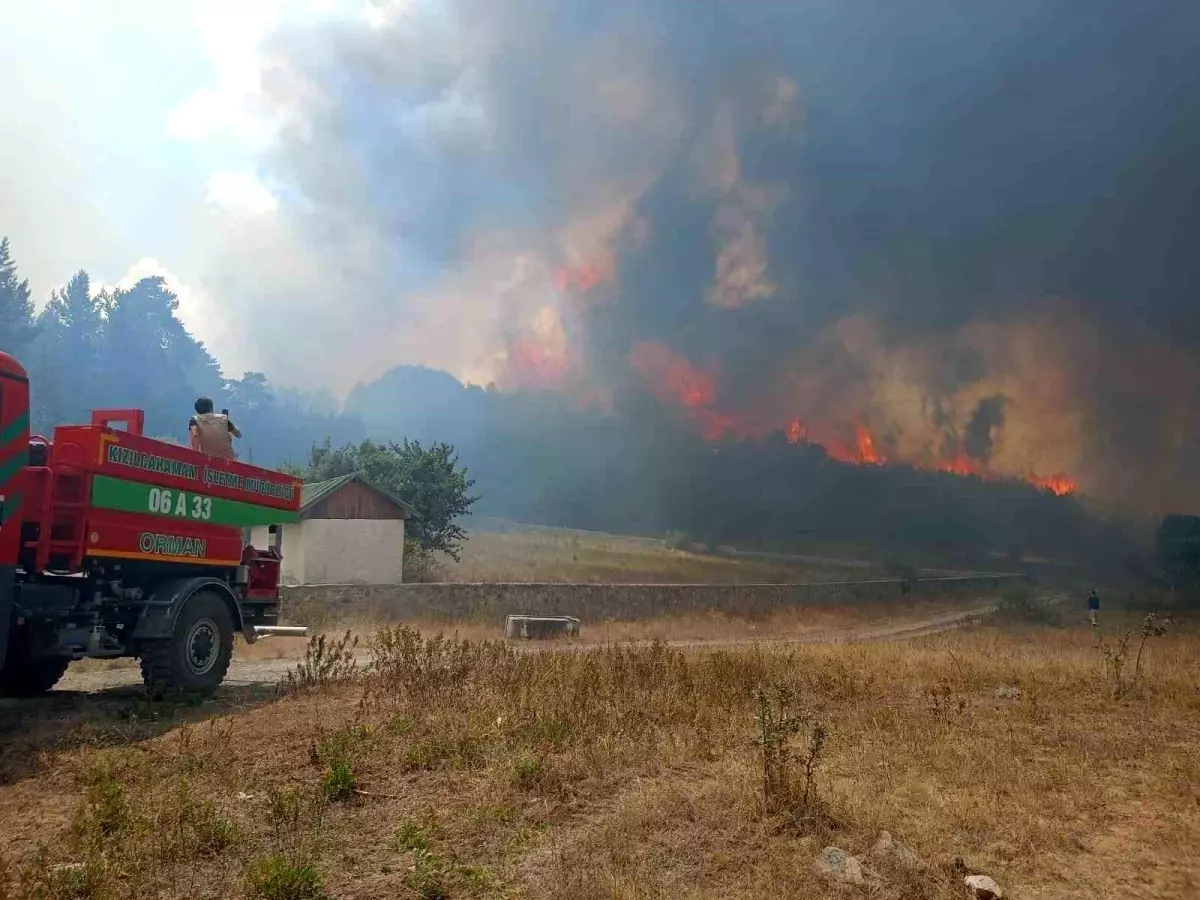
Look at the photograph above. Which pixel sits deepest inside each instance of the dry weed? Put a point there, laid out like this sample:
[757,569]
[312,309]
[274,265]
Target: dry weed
[326,661]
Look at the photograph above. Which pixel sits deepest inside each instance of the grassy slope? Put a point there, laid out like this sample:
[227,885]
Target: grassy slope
[543,554]
[611,773]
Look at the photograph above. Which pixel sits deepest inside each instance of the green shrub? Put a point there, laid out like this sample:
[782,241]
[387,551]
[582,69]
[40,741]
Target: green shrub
[278,878]
[477,880]
[339,783]
[411,836]
[552,731]
[106,817]
[428,876]
[421,566]
[527,770]
[336,747]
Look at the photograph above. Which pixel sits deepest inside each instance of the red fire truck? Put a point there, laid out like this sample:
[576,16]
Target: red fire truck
[113,544]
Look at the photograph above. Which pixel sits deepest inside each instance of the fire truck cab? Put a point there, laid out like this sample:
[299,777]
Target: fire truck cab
[113,544]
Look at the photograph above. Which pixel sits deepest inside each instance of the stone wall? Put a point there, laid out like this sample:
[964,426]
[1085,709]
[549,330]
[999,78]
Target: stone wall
[601,602]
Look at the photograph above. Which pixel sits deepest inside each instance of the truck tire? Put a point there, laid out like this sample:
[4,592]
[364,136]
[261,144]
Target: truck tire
[195,659]
[24,676]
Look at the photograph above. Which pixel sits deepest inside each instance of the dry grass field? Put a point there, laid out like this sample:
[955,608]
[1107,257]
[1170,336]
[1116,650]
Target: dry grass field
[473,769]
[544,554]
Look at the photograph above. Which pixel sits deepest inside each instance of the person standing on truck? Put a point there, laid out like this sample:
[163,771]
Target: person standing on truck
[211,432]
[1093,601]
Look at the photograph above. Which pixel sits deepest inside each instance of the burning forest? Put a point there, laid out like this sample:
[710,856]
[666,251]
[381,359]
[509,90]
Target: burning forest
[938,439]
[677,383]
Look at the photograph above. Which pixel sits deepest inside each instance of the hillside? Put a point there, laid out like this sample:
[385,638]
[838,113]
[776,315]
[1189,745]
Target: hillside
[504,551]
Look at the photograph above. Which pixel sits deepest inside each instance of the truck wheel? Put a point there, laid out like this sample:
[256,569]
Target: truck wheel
[23,676]
[195,659]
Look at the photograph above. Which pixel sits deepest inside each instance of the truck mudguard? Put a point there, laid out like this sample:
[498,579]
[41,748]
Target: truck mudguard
[162,609]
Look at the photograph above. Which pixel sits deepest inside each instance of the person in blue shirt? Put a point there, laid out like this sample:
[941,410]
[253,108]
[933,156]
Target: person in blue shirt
[1093,601]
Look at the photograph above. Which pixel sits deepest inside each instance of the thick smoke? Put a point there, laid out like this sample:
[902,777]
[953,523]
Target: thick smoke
[959,228]
[985,421]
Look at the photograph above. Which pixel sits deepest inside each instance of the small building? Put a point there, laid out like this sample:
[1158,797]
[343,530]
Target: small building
[350,532]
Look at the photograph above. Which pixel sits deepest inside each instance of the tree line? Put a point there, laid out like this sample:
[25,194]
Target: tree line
[126,347]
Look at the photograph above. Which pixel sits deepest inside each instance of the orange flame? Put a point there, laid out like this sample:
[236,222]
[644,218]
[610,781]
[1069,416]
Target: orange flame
[867,454]
[962,464]
[796,432]
[675,381]
[860,453]
[1060,484]
[535,365]
[672,378]
[840,451]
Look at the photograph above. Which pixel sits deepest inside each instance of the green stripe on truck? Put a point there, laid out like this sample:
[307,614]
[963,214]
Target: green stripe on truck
[146,499]
[10,468]
[14,429]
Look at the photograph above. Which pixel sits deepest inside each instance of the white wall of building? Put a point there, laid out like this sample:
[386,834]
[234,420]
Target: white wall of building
[349,551]
[341,551]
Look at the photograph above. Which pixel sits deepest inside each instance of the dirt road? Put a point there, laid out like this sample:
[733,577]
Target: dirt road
[89,678]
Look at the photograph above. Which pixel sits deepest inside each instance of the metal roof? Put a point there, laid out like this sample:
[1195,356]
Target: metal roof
[314,493]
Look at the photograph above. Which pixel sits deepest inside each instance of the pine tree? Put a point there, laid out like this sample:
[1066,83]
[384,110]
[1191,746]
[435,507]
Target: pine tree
[65,356]
[16,308]
[75,312]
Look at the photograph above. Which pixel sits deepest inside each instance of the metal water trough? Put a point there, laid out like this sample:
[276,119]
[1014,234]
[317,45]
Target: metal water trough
[540,627]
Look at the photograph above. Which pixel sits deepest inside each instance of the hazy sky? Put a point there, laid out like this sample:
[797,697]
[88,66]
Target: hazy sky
[206,140]
[129,144]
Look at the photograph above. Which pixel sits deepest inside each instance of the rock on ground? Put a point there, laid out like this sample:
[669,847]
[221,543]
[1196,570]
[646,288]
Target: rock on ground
[981,887]
[838,865]
[889,851]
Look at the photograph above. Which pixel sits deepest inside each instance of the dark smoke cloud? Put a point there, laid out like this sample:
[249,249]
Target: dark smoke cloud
[758,172]
[988,417]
